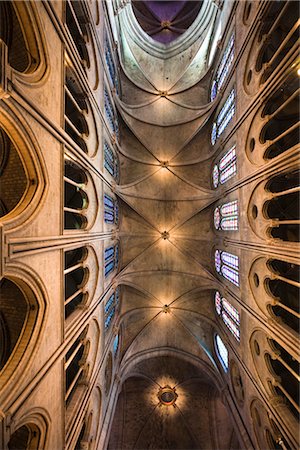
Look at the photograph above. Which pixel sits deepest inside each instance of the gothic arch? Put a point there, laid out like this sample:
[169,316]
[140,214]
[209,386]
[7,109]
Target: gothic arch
[275,286]
[277,369]
[26,285]
[81,205]
[30,431]
[19,143]
[21,31]
[272,207]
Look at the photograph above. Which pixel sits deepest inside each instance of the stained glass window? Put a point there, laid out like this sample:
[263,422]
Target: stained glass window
[224,117]
[111,210]
[111,259]
[110,161]
[109,61]
[222,352]
[116,345]
[229,314]
[225,168]
[226,216]
[227,265]
[110,115]
[110,309]
[223,68]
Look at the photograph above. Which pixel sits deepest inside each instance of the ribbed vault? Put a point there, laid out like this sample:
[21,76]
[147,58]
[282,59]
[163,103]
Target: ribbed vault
[166,240]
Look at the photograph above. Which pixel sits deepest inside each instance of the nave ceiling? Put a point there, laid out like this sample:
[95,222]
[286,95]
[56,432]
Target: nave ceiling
[166,237]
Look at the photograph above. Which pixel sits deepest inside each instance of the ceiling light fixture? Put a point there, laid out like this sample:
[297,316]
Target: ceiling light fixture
[167,396]
[165,235]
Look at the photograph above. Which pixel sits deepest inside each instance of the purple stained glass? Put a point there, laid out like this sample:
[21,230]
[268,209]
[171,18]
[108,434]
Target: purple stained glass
[215,175]
[231,325]
[218,302]
[217,260]
[217,218]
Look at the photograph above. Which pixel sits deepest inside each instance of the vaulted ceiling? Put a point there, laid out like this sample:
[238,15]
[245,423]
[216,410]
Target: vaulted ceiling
[166,236]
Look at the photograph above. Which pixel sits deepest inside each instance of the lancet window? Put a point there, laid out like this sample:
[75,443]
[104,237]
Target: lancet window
[224,117]
[111,210]
[226,167]
[110,309]
[76,275]
[111,259]
[116,345]
[222,352]
[110,61]
[111,161]
[76,199]
[226,216]
[227,265]
[229,314]
[110,115]
[223,68]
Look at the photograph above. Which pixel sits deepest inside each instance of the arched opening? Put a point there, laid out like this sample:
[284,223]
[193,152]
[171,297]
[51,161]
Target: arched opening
[76,199]
[283,207]
[11,32]
[76,276]
[280,27]
[14,308]
[287,369]
[26,437]
[75,110]
[75,370]
[284,287]
[282,110]
[76,22]
[12,174]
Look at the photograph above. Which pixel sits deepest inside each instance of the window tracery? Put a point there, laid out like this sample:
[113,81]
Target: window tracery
[223,68]
[76,199]
[110,114]
[224,117]
[275,125]
[76,275]
[76,24]
[111,259]
[222,352]
[111,210]
[226,168]
[278,370]
[111,163]
[109,59]
[229,315]
[275,41]
[75,360]
[278,294]
[227,265]
[226,216]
